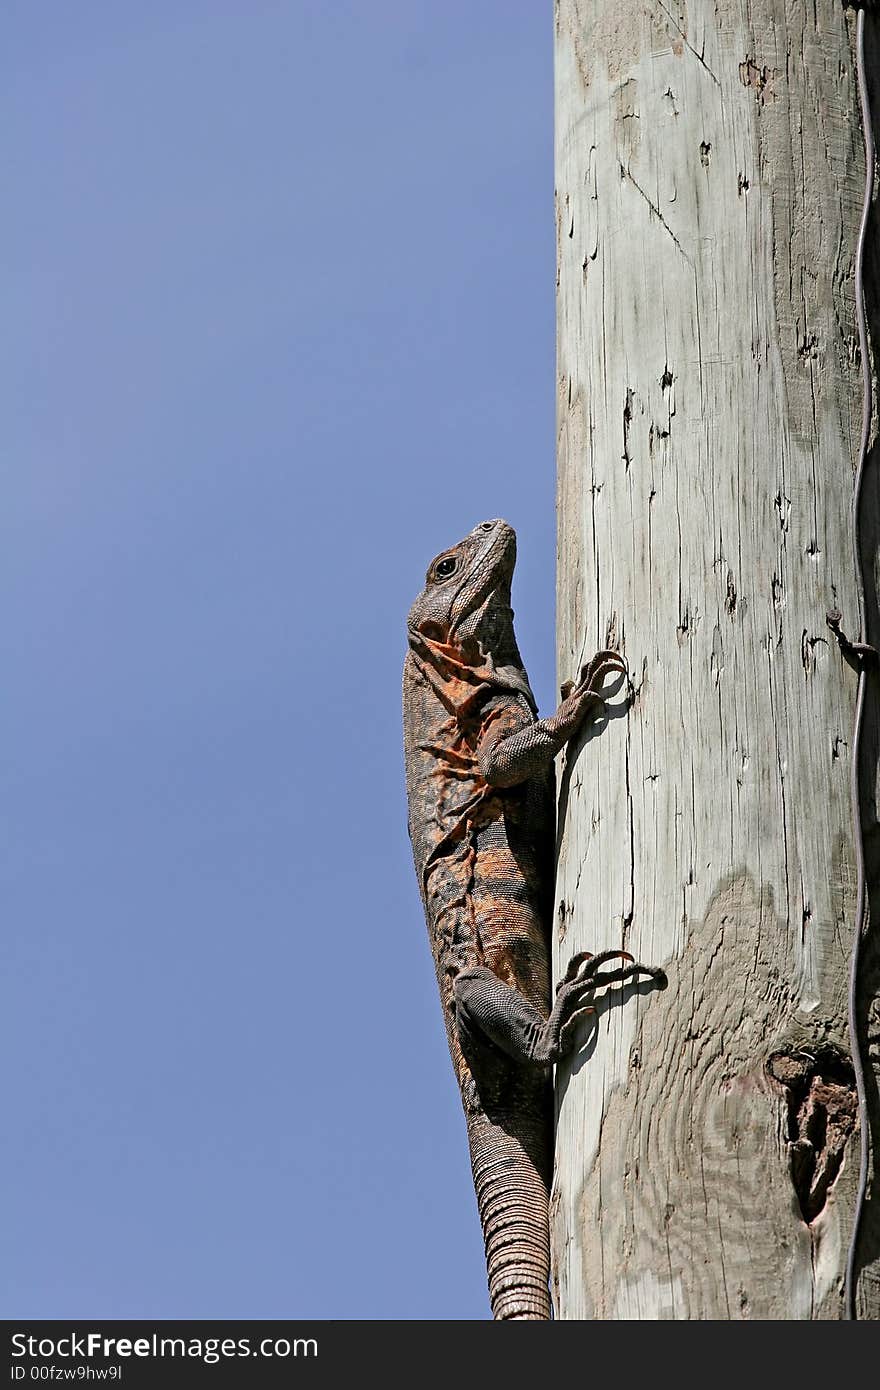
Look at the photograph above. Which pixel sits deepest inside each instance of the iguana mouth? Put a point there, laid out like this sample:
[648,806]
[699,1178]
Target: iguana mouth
[491,575]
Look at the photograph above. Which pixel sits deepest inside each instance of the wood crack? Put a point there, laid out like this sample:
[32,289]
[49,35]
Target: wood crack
[625,173]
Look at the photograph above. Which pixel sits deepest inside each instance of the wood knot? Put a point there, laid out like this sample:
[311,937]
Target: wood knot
[822,1105]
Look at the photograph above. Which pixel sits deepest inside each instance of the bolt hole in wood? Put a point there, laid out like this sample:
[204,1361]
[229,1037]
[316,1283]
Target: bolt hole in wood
[822,1110]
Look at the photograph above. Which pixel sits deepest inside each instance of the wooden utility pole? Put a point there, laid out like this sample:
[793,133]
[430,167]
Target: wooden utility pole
[711,172]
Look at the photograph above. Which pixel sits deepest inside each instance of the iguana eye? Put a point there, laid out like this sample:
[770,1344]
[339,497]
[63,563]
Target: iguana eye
[444,568]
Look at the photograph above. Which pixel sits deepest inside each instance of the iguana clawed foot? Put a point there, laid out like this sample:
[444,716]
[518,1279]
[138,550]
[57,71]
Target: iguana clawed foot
[583,965]
[594,674]
[582,977]
[485,1005]
[580,698]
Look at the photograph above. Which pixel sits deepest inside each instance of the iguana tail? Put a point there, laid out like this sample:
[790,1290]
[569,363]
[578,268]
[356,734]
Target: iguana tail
[511,1163]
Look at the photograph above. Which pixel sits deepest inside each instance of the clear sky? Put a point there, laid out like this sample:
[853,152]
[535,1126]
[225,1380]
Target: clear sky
[279,298]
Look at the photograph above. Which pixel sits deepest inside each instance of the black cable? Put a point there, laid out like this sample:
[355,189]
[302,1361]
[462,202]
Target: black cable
[861,897]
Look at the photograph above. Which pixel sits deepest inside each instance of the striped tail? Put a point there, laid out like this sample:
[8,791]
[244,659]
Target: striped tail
[510,1167]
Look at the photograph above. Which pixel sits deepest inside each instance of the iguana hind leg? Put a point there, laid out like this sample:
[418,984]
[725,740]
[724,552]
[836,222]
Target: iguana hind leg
[486,1005]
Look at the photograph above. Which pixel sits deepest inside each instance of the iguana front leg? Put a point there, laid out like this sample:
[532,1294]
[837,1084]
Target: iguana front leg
[485,1005]
[513,748]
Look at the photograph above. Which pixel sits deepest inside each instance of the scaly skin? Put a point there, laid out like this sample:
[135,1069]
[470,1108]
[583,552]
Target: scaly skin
[479,772]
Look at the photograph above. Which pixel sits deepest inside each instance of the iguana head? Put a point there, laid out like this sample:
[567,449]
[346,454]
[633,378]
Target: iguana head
[462,622]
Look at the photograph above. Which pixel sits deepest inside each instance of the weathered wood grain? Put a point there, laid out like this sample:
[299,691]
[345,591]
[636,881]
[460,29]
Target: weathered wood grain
[710,174]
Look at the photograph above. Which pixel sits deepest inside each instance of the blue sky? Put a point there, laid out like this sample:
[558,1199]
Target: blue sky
[279,301]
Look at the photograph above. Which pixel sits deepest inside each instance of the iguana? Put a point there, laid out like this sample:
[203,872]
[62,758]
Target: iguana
[479,774]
